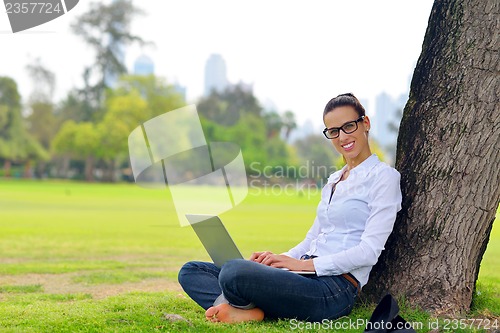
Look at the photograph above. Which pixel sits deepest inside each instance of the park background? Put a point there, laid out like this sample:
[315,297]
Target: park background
[84,248]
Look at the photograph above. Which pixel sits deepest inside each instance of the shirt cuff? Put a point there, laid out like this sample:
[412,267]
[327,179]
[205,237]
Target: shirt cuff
[325,267]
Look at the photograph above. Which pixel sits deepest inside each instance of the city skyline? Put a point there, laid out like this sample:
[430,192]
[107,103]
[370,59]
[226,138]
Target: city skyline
[215,74]
[314,53]
[215,77]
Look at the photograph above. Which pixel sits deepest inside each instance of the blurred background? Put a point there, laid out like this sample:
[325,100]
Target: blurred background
[260,74]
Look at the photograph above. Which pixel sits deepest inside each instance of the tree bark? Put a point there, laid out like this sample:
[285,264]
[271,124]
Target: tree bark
[448,155]
[89,169]
[63,167]
[109,175]
[6,167]
[27,169]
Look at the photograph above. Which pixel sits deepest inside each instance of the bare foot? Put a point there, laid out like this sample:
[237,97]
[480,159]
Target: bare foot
[225,313]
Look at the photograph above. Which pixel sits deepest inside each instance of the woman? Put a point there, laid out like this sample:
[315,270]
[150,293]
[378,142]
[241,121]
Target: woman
[354,219]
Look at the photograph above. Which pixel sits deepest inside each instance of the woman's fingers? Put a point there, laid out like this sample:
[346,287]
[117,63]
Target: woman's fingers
[275,260]
[255,255]
[282,261]
[270,259]
[260,256]
[264,257]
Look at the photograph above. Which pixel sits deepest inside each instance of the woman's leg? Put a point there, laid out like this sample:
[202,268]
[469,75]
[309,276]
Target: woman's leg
[282,294]
[200,281]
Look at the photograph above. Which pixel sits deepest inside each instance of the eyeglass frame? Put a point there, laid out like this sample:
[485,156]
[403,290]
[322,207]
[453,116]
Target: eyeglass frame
[341,128]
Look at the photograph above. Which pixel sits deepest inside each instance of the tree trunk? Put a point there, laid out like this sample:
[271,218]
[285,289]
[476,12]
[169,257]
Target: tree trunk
[40,169]
[27,169]
[448,155]
[63,169]
[109,175]
[6,168]
[89,169]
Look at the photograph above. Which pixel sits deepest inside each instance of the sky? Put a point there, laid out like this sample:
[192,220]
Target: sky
[297,54]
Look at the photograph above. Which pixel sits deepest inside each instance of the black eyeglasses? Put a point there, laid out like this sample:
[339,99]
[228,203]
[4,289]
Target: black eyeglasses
[347,128]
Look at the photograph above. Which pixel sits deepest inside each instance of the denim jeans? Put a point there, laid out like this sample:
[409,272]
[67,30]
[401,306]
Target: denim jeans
[280,294]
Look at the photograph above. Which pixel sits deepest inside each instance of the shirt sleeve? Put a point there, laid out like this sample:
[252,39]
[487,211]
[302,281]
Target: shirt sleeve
[385,196]
[304,246]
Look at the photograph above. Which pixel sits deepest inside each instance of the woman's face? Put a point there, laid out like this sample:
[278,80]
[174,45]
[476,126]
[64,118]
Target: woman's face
[353,145]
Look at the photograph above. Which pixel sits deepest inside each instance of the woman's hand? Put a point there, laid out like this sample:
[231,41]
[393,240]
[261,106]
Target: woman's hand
[260,256]
[282,261]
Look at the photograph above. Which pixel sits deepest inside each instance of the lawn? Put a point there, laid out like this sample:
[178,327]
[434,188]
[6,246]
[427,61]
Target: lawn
[77,257]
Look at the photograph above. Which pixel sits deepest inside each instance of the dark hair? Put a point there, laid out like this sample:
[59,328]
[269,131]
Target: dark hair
[345,100]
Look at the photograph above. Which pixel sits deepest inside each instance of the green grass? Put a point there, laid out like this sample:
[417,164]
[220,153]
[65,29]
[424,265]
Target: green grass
[116,277]
[30,288]
[77,257]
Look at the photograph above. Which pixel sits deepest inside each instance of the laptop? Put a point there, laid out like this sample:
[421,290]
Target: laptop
[217,241]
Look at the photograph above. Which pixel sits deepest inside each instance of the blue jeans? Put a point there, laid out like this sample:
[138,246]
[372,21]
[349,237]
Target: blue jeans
[280,294]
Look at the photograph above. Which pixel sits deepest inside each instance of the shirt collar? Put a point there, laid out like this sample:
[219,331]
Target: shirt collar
[362,168]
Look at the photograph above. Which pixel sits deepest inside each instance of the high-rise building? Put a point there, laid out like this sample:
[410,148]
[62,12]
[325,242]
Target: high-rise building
[388,112]
[384,113]
[215,74]
[144,65]
[366,105]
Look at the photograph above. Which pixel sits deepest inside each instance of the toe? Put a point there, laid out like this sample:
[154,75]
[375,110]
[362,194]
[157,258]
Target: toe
[211,314]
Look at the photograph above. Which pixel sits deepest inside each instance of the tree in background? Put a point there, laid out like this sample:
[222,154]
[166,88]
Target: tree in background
[16,144]
[393,126]
[135,100]
[160,96]
[235,115]
[80,142]
[225,108]
[124,113]
[41,122]
[318,154]
[43,80]
[289,123]
[448,155]
[106,29]
[274,124]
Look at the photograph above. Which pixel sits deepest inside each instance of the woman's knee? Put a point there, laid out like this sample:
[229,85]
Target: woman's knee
[184,272]
[187,270]
[192,269]
[235,270]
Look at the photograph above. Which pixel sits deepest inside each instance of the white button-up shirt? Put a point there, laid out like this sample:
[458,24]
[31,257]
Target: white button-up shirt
[351,229]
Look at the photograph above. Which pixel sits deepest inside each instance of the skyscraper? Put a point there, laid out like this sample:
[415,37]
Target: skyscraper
[144,65]
[385,109]
[215,74]
[387,118]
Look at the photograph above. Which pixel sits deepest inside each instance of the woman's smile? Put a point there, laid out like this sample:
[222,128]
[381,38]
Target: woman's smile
[348,146]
